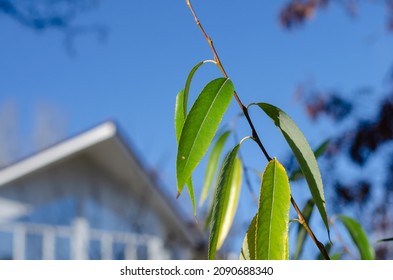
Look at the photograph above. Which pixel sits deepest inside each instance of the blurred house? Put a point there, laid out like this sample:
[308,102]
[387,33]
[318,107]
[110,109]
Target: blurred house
[89,197]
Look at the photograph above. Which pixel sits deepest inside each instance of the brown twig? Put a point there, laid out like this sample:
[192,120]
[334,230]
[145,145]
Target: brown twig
[219,64]
[244,109]
[302,221]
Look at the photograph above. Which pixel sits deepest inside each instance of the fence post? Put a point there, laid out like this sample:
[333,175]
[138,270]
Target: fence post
[80,239]
[19,241]
[106,246]
[49,240]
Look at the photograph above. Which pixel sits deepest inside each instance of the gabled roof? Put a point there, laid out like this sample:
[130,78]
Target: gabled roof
[105,144]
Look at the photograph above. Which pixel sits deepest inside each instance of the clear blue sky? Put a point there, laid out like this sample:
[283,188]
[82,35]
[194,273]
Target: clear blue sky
[134,76]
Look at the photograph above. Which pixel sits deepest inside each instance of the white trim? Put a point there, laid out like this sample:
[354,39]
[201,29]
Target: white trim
[87,140]
[57,152]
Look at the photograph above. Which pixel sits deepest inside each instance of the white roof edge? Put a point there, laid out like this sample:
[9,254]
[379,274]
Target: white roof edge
[57,152]
[72,146]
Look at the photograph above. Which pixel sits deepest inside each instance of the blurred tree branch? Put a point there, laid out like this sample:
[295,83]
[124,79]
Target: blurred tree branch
[60,15]
[361,142]
[297,12]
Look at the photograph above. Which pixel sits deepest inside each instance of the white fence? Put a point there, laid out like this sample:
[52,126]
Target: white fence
[41,241]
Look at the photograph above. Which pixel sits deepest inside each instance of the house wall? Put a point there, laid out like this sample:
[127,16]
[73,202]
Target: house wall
[78,194]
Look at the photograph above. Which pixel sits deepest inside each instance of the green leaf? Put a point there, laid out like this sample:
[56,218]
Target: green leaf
[188,84]
[359,237]
[271,231]
[208,216]
[303,154]
[200,126]
[179,123]
[233,201]
[179,115]
[336,256]
[190,189]
[182,100]
[319,151]
[212,165]
[225,201]
[248,247]
[301,231]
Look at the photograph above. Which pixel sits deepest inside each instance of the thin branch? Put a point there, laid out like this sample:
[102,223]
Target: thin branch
[255,135]
[302,221]
[219,64]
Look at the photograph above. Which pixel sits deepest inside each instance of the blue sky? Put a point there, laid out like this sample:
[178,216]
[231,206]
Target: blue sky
[135,74]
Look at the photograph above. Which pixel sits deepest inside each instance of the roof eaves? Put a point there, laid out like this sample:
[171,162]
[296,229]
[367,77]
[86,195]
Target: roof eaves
[57,152]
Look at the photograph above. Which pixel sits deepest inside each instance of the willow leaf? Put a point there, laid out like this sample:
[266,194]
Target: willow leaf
[182,100]
[200,127]
[179,115]
[319,151]
[190,189]
[359,237]
[301,231]
[188,84]
[225,201]
[208,216]
[248,247]
[179,123]
[271,233]
[233,201]
[212,166]
[303,153]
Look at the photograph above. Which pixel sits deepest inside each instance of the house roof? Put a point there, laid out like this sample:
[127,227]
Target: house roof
[107,146]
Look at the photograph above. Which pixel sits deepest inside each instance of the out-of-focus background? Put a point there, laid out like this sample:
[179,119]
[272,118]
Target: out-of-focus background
[87,93]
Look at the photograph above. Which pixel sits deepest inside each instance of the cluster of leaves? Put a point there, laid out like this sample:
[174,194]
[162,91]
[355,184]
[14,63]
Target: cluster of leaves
[297,12]
[367,136]
[267,236]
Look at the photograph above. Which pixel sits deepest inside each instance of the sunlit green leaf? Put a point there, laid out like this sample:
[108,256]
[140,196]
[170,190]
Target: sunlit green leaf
[179,115]
[190,189]
[248,247]
[359,237]
[225,201]
[319,151]
[301,231]
[208,216]
[200,127]
[179,122]
[303,154]
[336,256]
[233,201]
[271,231]
[188,84]
[212,165]
[182,100]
